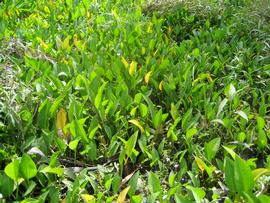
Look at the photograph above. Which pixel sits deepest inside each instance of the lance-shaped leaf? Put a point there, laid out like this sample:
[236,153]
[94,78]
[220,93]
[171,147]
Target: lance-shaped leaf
[137,123]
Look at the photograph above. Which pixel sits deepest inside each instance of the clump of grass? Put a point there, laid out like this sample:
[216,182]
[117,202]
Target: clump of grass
[198,7]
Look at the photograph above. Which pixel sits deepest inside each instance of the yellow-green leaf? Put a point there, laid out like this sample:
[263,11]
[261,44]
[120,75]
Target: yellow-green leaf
[42,43]
[257,173]
[230,151]
[147,77]
[202,166]
[122,196]
[160,86]
[125,63]
[65,44]
[61,119]
[136,123]
[87,198]
[132,68]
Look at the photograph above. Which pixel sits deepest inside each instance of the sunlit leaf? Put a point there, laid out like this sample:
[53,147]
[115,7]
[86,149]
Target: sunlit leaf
[125,62]
[137,123]
[258,172]
[200,163]
[12,170]
[132,68]
[88,198]
[147,77]
[65,44]
[242,114]
[122,196]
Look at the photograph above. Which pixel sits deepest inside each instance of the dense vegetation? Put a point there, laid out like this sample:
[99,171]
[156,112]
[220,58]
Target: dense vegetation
[128,100]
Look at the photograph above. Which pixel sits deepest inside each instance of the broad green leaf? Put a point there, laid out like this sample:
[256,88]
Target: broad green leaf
[241,137]
[150,106]
[153,183]
[137,198]
[133,184]
[133,111]
[6,185]
[191,132]
[98,97]
[28,168]
[56,170]
[122,196]
[55,105]
[12,170]
[196,52]
[43,114]
[130,144]
[264,198]
[73,144]
[157,120]
[186,119]
[78,131]
[211,148]
[108,183]
[260,123]
[262,139]
[174,111]
[171,180]
[143,109]
[198,193]
[242,176]
[137,123]
[229,174]
[180,199]
[116,183]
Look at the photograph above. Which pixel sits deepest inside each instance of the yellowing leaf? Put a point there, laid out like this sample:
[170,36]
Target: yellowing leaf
[200,163]
[122,196]
[196,80]
[147,77]
[87,198]
[124,61]
[160,86]
[61,119]
[132,68]
[135,122]
[42,43]
[209,78]
[65,44]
